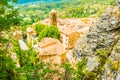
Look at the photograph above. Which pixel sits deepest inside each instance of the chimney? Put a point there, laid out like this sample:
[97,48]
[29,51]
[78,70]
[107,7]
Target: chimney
[53,17]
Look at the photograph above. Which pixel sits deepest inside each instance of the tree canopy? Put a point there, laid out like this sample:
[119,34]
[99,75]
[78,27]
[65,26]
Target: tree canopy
[51,31]
[8,18]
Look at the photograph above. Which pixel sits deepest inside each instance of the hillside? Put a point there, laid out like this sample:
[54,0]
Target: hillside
[25,1]
[34,12]
[28,1]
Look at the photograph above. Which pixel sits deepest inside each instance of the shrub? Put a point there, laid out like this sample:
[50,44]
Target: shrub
[39,28]
[51,31]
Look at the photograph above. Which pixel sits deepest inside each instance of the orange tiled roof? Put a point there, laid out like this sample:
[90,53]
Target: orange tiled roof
[30,29]
[66,25]
[51,46]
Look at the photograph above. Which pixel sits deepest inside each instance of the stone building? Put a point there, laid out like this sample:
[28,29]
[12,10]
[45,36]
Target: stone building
[68,37]
[30,35]
[18,35]
[52,51]
[53,17]
[70,28]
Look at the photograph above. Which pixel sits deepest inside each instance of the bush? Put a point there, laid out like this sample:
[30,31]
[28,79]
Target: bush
[80,67]
[30,66]
[39,28]
[51,31]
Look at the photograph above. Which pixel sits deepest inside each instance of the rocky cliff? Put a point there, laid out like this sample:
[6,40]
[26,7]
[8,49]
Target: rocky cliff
[101,47]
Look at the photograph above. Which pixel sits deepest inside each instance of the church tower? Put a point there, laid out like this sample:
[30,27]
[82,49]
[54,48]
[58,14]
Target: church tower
[53,17]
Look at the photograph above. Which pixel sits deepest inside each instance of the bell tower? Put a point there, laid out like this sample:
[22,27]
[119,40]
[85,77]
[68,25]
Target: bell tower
[53,17]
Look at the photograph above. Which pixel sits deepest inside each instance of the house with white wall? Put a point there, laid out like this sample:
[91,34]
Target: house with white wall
[68,37]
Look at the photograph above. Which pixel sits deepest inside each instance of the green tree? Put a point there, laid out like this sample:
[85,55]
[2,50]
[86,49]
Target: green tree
[80,67]
[31,68]
[51,31]
[8,18]
[69,71]
[29,64]
[39,28]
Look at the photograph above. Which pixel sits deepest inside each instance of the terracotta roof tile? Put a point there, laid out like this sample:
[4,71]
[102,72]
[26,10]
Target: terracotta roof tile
[51,46]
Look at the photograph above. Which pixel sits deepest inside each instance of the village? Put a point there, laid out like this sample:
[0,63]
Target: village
[53,50]
[59,39]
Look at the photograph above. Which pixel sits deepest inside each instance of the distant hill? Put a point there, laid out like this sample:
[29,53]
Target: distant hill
[27,1]
[39,10]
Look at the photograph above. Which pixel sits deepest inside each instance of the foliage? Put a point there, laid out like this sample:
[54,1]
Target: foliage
[103,55]
[25,27]
[39,28]
[80,67]
[30,66]
[6,67]
[8,15]
[89,75]
[69,71]
[8,18]
[51,31]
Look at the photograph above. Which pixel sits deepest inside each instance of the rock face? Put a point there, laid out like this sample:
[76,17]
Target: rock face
[101,47]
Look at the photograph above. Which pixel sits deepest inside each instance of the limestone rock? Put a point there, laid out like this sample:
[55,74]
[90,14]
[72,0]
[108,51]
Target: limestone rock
[102,41]
[118,1]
